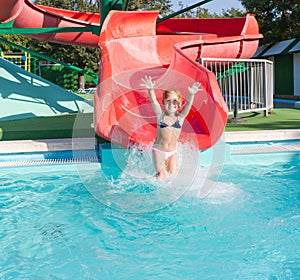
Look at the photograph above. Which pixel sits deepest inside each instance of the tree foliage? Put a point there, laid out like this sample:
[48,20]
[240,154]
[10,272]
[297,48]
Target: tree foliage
[201,12]
[278,20]
[75,5]
[163,6]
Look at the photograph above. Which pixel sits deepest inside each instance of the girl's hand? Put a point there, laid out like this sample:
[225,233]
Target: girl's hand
[148,83]
[194,88]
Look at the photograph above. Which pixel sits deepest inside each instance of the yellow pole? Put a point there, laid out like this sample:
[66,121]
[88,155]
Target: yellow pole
[25,61]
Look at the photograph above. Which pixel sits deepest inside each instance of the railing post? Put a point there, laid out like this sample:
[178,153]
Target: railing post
[265,90]
[236,108]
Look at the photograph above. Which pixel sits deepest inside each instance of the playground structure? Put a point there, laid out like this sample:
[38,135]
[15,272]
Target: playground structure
[134,44]
[22,59]
[36,63]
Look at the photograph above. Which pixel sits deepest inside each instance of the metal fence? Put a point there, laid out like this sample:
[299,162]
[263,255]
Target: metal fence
[246,84]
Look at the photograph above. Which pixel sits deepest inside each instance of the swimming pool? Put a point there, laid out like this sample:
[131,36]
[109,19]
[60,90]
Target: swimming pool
[54,227]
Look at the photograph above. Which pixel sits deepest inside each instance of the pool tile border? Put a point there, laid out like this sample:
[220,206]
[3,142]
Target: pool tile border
[52,145]
[263,136]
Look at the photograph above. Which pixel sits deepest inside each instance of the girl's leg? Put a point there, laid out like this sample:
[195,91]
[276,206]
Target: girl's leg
[159,165]
[172,164]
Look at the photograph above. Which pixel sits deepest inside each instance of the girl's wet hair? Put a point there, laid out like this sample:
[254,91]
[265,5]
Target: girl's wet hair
[170,91]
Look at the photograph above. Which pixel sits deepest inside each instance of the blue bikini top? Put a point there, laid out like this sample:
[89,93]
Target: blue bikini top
[176,124]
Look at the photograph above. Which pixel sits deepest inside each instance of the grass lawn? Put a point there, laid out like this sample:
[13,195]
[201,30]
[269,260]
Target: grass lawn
[81,125]
[86,96]
[281,118]
[48,127]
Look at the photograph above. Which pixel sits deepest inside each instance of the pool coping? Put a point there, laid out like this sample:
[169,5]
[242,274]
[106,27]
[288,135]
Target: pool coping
[46,145]
[66,144]
[262,135]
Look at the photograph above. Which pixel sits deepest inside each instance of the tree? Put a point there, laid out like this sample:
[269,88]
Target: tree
[200,12]
[196,12]
[278,20]
[232,13]
[164,6]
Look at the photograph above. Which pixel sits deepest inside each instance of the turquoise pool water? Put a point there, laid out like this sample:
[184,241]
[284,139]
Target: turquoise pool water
[248,227]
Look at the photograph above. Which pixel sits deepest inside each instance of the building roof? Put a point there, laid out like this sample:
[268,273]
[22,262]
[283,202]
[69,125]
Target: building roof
[279,48]
[260,50]
[295,48]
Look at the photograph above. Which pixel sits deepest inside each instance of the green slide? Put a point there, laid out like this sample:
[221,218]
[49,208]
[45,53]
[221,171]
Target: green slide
[25,95]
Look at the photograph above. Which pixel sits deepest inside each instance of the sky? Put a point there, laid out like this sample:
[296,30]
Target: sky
[215,6]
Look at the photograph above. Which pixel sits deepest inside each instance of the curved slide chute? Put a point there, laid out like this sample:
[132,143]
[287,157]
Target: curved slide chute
[132,45]
[135,44]
[28,15]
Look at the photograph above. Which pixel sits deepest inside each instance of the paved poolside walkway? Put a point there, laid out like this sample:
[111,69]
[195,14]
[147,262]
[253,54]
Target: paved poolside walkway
[262,135]
[52,145]
[46,145]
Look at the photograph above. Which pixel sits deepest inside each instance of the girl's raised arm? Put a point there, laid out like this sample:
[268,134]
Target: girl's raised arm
[193,89]
[149,85]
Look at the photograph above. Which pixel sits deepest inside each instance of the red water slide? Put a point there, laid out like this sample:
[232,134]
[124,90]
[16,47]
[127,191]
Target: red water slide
[28,15]
[132,45]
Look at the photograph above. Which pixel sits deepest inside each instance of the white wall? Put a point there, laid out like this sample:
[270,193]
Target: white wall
[297,74]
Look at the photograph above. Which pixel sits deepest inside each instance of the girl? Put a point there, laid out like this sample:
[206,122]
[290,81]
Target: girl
[169,123]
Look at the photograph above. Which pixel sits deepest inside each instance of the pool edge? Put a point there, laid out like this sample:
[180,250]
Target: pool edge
[262,135]
[65,144]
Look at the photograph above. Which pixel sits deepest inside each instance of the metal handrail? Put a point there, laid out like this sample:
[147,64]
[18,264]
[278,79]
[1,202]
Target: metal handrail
[246,84]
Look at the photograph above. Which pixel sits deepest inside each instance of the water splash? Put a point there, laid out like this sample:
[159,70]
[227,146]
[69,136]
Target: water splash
[128,183]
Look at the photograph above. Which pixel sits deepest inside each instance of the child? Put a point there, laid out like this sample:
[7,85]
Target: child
[169,123]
